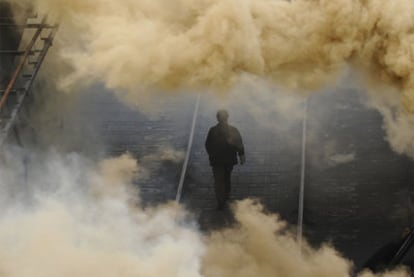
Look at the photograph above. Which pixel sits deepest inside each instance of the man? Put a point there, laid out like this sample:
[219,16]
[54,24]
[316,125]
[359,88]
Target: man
[223,144]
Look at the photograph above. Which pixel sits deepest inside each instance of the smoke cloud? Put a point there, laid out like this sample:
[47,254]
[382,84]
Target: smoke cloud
[81,218]
[138,47]
[84,219]
[174,44]
[260,246]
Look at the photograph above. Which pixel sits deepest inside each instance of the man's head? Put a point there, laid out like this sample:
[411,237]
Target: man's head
[222,116]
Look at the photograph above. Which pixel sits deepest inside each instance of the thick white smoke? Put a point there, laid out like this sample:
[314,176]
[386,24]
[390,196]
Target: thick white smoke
[83,218]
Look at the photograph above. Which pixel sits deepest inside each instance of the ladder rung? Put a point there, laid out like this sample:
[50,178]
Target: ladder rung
[33,63]
[27,75]
[38,25]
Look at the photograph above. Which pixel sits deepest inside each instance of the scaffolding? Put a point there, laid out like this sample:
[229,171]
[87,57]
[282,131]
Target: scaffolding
[36,39]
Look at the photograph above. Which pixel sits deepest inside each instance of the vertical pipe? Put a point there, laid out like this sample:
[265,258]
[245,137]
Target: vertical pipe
[302,173]
[187,154]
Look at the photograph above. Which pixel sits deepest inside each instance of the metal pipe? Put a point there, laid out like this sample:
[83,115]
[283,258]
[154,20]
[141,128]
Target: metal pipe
[20,66]
[302,173]
[187,155]
[402,251]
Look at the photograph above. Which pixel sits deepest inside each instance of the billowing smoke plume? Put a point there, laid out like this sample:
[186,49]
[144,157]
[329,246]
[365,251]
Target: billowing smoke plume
[83,218]
[138,46]
[172,44]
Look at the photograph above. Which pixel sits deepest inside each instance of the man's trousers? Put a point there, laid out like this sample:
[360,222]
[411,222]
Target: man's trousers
[222,183]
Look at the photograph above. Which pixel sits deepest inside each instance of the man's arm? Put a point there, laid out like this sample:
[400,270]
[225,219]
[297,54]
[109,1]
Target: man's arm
[208,142]
[240,147]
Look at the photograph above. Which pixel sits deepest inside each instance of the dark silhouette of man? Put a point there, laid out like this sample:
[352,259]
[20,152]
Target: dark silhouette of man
[223,145]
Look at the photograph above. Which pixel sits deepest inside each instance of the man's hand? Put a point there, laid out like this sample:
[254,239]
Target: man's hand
[242,159]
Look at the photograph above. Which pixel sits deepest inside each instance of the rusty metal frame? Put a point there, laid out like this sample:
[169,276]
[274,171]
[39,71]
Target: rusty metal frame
[14,113]
[20,65]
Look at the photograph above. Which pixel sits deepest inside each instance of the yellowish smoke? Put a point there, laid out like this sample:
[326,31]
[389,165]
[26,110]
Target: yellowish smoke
[192,43]
[93,227]
[136,46]
[67,229]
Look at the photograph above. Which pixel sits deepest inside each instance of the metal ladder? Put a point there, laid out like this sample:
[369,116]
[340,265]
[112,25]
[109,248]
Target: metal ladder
[28,60]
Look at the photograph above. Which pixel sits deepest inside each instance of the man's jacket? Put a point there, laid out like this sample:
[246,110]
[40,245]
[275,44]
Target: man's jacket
[223,143]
